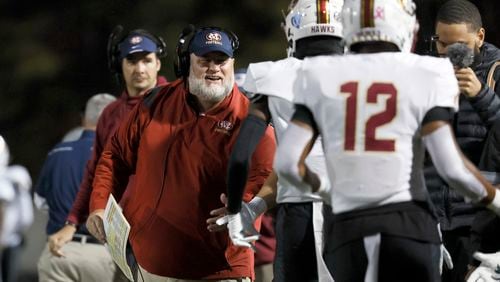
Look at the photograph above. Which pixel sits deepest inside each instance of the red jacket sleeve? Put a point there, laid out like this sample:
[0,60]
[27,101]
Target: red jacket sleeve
[80,209]
[118,159]
[262,164]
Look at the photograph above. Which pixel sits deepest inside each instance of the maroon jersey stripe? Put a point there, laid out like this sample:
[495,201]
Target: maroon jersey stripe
[323,16]
[367,14]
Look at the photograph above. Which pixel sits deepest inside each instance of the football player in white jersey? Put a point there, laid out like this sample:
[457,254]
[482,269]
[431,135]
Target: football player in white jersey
[374,117]
[16,213]
[313,28]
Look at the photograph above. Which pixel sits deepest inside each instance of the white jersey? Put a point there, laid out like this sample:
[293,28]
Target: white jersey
[276,81]
[369,115]
[15,185]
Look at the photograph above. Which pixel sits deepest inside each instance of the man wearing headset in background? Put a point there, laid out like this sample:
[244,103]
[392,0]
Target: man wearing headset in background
[177,142]
[16,213]
[135,58]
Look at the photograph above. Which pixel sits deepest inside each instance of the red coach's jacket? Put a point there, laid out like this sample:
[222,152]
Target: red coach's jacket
[180,160]
[109,121]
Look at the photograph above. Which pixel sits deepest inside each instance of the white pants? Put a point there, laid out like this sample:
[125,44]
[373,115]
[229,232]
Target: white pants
[319,235]
[82,262]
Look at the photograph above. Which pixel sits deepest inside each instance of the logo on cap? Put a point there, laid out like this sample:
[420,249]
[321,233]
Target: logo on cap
[213,38]
[135,40]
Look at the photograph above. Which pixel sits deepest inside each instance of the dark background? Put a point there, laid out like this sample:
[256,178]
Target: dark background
[54,54]
[53,58]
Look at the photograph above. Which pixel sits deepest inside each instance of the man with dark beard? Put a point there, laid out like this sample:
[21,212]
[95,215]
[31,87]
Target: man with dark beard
[459,21]
[177,142]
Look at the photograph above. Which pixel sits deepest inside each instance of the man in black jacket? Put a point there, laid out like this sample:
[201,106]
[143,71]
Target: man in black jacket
[479,110]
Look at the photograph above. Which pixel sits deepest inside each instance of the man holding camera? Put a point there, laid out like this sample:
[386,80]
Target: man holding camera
[459,21]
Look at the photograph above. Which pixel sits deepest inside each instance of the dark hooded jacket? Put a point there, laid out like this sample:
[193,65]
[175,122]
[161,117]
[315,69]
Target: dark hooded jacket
[471,125]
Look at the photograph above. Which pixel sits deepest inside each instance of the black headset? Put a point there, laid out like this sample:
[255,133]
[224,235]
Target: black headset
[116,38]
[181,65]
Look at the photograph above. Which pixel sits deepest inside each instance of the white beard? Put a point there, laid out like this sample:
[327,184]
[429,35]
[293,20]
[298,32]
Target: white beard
[213,93]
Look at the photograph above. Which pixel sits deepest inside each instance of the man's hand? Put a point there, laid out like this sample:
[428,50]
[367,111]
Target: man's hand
[312,179]
[241,225]
[489,270]
[489,260]
[482,274]
[212,225]
[95,225]
[241,229]
[467,82]
[60,238]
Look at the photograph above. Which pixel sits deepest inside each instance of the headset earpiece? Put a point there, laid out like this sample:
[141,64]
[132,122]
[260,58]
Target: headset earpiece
[235,42]
[112,48]
[162,47]
[181,66]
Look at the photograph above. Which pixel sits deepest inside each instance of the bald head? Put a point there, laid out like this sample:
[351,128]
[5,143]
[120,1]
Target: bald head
[95,106]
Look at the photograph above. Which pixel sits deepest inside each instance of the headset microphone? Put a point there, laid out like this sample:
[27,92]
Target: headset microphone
[188,30]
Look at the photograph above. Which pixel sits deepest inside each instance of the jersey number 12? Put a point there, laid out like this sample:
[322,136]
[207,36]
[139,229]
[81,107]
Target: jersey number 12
[376,120]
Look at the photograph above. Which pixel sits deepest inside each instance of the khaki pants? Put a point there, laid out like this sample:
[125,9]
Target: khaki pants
[82,262]
[144,276]
[264,273]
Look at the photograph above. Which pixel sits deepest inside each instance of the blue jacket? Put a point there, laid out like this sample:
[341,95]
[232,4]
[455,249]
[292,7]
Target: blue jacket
[60,178]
